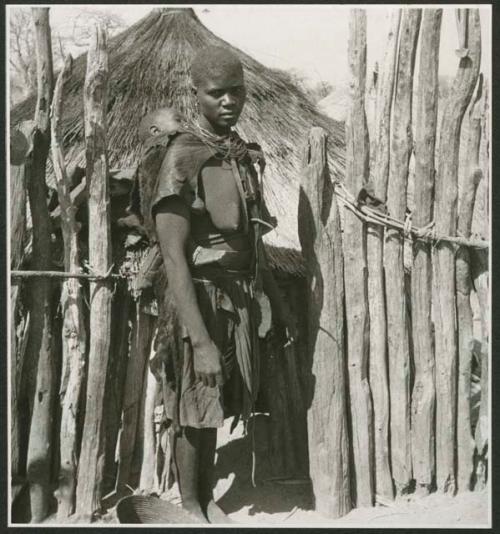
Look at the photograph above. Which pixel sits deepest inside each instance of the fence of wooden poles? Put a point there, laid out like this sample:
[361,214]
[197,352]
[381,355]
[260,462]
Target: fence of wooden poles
[382,396]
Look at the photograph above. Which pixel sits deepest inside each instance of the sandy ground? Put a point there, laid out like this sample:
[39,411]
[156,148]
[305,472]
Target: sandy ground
[289,503]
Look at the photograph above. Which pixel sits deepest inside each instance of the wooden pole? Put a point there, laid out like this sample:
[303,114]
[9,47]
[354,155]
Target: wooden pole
[59,274]
[321,241]
[39,357]
[480,273]
[423,399]
[376,294]
[473,175]
[21,147]
[147,480]
[371,105]
[134,382]
[74,335]
[23,137]
[90,471]
[445,215]
[355,268]
[397,327]
[139,452]
[472,178]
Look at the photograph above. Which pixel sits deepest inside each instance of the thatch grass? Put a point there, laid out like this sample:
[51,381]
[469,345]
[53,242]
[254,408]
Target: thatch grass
[149,68]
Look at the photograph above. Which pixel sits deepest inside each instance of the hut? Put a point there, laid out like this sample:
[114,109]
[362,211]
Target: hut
[149,68]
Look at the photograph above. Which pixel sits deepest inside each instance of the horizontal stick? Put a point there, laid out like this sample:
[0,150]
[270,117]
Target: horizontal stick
[60,274]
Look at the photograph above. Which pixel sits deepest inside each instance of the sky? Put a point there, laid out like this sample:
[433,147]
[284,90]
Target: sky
[310,39]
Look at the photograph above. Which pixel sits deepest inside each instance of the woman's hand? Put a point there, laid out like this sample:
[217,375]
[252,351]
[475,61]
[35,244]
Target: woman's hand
[207,360]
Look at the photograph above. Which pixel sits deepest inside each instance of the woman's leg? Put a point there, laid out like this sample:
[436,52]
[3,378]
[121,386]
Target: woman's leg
[186,448]
[208,442]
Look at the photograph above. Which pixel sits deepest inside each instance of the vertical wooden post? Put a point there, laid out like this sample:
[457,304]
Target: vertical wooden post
[445,215]
[374,244]
[152,387]
[74,336]
[473,174]
[355,269]
[424,394]
[397,327]
[39,359]
[139,353]
[480,274]
[465,441]
[321,242]
[139,451]
[90,470]
[371,106]
[20,149]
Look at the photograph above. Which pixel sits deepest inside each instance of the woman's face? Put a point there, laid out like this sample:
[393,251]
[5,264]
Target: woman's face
[221,99]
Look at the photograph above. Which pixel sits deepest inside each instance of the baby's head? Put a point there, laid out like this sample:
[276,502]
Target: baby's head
[163,120]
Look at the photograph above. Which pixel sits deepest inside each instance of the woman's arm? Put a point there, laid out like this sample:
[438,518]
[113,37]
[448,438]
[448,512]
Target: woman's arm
[173,227]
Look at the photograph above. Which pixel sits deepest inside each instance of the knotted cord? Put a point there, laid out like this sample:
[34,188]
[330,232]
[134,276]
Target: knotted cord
[374,216]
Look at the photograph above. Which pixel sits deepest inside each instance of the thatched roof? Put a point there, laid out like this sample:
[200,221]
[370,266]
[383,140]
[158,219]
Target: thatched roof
[149,68]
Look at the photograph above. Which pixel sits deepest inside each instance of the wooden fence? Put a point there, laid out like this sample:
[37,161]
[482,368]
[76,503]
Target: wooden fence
[408,324]
[387,340]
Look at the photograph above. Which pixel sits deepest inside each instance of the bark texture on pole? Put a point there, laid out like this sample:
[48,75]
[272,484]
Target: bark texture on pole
[74,336]
[355,268]
[480,274]
[91,462]
[134,382]
[321,242]
[40,372]
[20,149]
[424,393]
[397,327]
[147,481]
[473,175]
[465,440]
[376,292]
[21,146]
[445,216]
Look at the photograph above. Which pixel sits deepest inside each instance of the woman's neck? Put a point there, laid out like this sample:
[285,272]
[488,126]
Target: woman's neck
[209,127]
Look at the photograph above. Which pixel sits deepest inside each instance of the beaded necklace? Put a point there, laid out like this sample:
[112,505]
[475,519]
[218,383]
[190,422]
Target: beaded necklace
[223,147]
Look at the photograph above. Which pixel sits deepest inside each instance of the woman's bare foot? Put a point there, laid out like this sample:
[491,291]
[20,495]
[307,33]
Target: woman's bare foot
[216,515]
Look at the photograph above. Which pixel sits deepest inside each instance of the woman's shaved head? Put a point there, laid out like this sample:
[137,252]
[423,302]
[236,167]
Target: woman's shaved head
[215,62]
[219,86]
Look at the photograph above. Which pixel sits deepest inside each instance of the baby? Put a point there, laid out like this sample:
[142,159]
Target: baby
[159,121]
